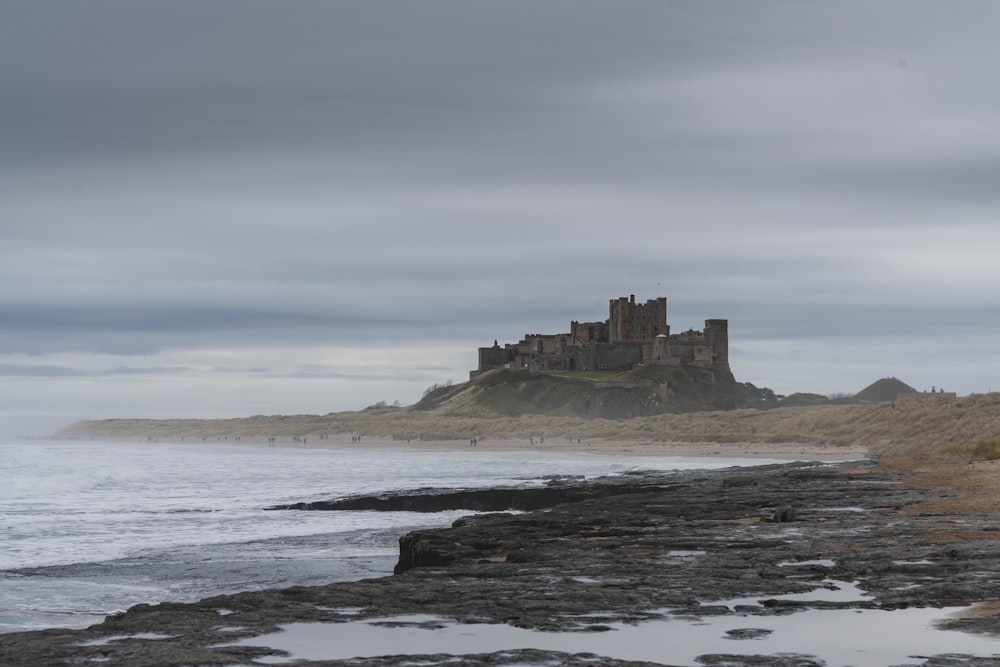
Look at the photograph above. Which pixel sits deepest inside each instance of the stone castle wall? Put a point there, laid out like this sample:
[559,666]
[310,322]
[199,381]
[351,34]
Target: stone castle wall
[633,334]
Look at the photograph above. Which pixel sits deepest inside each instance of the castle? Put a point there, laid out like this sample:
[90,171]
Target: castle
[634,334]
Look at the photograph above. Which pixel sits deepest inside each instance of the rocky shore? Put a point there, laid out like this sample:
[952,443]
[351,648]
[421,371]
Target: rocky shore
[594,557]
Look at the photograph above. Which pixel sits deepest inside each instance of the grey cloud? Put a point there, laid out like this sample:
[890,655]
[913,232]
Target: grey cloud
[359,376]
[53,371]
[244,173]
[440,92]
[152,370]
[381,77]
[42,370]
[129,330]
[392,70]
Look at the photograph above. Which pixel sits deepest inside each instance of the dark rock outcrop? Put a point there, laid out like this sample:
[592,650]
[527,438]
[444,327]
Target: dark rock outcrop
[678,547]
[476,500]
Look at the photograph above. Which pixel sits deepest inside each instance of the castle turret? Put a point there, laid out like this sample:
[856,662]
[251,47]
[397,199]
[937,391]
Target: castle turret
[490,358]
[661,349]
[717,337]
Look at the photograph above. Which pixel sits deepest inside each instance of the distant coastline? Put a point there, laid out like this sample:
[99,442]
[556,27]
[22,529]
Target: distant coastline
[902,427]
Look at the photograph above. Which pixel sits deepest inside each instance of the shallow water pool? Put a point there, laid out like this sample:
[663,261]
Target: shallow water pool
[863,638]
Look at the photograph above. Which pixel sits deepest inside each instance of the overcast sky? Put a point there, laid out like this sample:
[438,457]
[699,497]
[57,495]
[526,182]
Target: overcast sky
[219,208]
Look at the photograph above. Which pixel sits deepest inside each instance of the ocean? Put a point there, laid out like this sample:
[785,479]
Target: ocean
[88,528]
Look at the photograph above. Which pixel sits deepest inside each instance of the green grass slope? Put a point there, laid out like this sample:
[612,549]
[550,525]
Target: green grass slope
[640,392]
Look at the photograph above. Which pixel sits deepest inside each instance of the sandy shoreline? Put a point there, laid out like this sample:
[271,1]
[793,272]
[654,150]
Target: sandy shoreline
[898,428]
[791,451]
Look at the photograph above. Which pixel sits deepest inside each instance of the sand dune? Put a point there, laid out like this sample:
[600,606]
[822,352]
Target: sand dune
[900,428]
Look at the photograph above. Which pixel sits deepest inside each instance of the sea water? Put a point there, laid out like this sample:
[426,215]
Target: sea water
[88,528]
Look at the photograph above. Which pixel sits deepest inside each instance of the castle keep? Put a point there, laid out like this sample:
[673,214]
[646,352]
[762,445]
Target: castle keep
[634,334]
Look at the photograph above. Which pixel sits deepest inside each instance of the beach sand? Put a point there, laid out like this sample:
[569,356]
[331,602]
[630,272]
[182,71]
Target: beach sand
[757,450]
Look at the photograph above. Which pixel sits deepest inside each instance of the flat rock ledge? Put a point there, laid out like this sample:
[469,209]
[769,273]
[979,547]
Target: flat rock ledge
[632,548]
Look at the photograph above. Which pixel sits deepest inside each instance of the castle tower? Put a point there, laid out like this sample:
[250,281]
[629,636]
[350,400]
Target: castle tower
[717,337]
[629,320]
[661,349]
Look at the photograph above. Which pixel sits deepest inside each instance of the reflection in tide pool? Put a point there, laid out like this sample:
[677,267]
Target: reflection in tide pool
[863,638]
[829,590]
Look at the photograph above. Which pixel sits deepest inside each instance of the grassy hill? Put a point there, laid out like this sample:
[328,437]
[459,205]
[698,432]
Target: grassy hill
[886,389]
[639,392]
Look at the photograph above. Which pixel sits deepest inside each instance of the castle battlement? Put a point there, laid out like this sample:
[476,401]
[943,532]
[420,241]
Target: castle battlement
[634,334]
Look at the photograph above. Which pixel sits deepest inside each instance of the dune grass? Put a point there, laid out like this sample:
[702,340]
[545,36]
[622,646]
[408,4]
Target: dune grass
[981,449]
